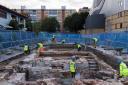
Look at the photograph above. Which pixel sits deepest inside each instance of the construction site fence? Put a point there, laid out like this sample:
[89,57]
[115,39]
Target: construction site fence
[14,38]
[111,39]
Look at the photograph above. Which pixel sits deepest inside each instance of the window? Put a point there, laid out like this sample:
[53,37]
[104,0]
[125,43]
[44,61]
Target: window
[120,25]
[53,12]
[120,14]
[3,14]
[115,26]
[33,12]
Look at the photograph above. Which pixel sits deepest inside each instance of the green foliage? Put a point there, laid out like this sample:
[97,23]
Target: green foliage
[29,25]
[14,24]
[36,26]
[49,24]
[21,26]
[75,22]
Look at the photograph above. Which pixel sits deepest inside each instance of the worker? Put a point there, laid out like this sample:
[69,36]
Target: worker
[78,47]
[72,68]
[26,49]
[95,40]
[123,69]
[40,45]
[63,41]
[53,39]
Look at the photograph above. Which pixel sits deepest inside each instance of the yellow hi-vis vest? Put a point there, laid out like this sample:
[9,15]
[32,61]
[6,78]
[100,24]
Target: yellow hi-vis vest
[25,48]
[78,46]
[40,45]
[95,39]
[123,70]
[72,66]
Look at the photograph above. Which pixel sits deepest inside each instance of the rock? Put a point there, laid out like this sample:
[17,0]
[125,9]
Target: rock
[77,82]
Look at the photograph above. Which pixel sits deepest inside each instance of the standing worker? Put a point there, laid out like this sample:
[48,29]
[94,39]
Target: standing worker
[72,68]
[78,47]
[123,69]
[26,49]
[95,40]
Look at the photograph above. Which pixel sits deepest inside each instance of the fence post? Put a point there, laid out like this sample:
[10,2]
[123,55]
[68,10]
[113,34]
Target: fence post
[11,39]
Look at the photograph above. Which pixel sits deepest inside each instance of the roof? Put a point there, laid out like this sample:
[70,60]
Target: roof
[11,11]
[49,9]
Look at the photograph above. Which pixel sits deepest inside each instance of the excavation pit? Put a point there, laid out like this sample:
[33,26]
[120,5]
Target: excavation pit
[56,65]
[52,68]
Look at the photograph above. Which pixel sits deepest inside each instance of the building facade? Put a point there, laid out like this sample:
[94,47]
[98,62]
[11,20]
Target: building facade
[115,12]
[109,7]
[117,22]
[6,15]
[37,15]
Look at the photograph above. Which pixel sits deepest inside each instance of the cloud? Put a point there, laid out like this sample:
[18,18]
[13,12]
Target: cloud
[36,4]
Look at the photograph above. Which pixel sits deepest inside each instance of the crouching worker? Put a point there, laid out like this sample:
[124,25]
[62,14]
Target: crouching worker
[123,69]
[72,68]
[39,45]
[78,47]
[26,49]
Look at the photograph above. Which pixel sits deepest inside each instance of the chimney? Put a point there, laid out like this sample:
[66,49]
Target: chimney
[43,7]
[23,7]
[63,7]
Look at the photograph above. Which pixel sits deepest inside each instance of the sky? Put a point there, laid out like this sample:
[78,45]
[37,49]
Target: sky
[56,4]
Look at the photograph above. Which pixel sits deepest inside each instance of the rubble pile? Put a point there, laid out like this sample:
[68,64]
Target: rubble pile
[95,82]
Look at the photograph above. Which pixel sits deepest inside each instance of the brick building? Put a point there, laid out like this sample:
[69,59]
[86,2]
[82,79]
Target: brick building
[39,14]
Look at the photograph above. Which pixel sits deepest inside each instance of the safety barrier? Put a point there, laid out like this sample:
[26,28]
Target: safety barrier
[14,38]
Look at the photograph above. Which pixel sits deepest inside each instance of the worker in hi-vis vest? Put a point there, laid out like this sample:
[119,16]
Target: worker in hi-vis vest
[40,45]
[26,49]
[78,47]
[123,69]
[72,67]
[95,40]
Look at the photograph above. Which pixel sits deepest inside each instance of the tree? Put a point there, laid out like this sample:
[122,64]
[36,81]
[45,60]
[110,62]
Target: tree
[83,16]
[75,22]
[13,23]
[29,25]
[49,24]
[36,27]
